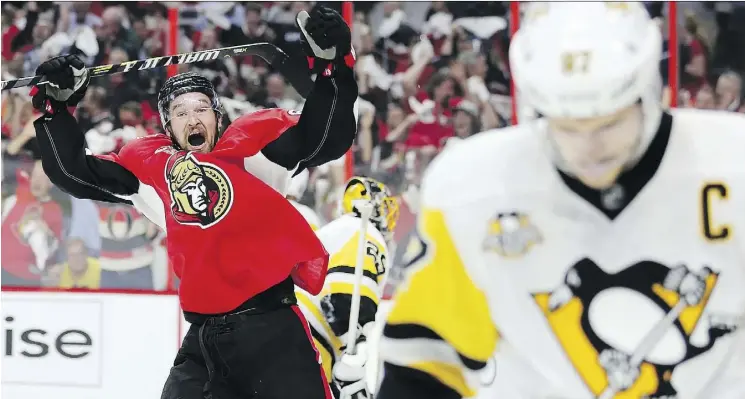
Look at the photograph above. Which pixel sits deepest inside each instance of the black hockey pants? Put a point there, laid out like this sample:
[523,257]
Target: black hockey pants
[259,351]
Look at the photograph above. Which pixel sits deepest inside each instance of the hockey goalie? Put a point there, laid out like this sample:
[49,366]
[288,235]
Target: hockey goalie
[598,247]
[328,313]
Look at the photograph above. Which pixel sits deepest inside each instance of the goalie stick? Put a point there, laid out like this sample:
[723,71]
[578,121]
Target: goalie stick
[366,209]
[297,74]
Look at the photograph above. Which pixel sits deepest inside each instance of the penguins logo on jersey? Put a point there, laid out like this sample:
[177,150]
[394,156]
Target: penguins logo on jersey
[201,193]
[589,314]
[511,235]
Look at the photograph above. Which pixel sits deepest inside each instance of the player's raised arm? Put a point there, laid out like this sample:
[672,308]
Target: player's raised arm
[328,123]
[439,332]
[62,142]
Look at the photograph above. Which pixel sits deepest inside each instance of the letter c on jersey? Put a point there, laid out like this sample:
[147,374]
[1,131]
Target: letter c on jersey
[710,193]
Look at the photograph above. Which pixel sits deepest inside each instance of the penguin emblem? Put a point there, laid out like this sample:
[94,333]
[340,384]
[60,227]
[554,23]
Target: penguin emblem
[626,332]
[511,235]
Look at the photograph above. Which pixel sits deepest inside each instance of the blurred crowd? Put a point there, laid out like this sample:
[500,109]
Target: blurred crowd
[428,72]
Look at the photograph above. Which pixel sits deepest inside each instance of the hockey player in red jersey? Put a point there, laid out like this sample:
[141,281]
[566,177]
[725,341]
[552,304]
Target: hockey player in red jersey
[233,239]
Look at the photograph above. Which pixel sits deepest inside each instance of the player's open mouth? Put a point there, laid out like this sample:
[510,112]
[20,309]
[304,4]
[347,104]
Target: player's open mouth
[196,139]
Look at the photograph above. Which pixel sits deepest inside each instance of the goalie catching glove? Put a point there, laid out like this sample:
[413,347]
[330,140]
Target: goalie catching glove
[327,40]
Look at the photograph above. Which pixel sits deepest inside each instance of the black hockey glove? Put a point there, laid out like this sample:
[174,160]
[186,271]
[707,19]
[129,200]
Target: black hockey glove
[326,38]
[68,81]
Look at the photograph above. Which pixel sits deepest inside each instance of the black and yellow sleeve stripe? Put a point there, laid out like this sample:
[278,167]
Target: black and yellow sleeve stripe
[440,326]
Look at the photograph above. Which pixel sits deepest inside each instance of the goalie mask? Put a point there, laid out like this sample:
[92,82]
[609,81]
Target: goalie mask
[385,207]
[190,111]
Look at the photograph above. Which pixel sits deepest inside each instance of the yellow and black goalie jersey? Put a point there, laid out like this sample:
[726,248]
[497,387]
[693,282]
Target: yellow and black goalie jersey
[630,293]
[328,313]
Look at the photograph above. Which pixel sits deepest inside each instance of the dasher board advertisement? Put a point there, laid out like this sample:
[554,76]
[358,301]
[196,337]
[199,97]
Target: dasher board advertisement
[87,345]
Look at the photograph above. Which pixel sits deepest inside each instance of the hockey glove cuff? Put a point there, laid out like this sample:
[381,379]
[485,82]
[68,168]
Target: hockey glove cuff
[327,40]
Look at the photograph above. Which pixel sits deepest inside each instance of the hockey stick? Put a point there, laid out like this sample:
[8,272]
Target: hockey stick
[296,73]
[365,208]
[650,340]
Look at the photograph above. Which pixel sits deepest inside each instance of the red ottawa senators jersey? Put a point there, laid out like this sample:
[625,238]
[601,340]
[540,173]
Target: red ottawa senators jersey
[230,235]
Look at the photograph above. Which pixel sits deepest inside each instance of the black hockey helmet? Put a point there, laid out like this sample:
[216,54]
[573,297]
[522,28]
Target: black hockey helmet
[183,83]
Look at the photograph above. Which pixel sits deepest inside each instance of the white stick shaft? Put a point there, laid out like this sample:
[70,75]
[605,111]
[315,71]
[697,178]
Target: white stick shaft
[359,268]
[649,341]
[654,336]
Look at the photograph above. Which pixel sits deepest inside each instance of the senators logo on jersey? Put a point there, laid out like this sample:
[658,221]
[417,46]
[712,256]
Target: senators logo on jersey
[201,193]
[668,304]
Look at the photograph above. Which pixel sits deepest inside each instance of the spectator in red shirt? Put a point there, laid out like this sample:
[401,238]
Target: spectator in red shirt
[10,30]
[31,229]
[466,119]
[694,72]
